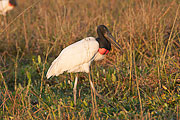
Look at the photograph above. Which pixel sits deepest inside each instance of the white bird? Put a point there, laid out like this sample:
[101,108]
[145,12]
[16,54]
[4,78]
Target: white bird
[6,5]
[78,56]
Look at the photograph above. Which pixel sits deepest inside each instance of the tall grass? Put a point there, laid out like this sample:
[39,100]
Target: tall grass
[140,83]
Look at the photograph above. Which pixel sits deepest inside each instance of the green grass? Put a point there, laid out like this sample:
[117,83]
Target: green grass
[141,83]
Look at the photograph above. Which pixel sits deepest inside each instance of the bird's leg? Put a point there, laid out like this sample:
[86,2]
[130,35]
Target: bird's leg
[94,90]
[91,83]
[74,89]
[92,86]
[92,94]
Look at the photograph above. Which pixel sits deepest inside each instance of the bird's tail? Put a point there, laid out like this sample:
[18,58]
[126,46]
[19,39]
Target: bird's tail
[51,70]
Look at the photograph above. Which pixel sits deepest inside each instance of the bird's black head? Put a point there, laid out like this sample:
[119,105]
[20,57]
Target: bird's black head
[105,38]
[103,42]
[13,2]
[102,29]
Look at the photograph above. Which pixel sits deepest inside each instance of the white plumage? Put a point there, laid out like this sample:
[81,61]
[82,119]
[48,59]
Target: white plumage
[76,57]
[5,6]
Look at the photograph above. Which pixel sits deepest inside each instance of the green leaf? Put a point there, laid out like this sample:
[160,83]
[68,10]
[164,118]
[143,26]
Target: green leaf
[113,77]
[85,103]
[39,59]
[72,103]
[105,109]
[29,78]
[164,87]
[165,104]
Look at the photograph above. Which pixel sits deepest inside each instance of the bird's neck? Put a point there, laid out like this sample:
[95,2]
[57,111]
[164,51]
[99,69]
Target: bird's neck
[12,3]
[104,45]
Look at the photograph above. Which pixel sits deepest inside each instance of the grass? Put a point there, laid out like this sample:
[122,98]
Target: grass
[141,83]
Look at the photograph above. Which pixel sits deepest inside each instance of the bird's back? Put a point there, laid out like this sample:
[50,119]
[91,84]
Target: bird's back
[75,58]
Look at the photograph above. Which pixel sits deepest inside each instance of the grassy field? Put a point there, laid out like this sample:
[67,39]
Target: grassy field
[143,82]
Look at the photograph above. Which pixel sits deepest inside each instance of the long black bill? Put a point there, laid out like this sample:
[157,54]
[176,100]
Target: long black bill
[113,40]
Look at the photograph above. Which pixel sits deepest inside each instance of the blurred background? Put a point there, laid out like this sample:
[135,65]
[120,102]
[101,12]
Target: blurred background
[143,82]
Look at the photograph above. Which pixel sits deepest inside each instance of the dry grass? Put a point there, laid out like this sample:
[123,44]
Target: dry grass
[142,82]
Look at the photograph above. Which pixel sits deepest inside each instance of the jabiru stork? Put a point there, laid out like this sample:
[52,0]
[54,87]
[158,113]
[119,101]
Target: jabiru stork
[6,5]
[78,56]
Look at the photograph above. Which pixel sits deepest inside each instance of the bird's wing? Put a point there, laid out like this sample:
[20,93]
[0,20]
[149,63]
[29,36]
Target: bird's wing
[77,54]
